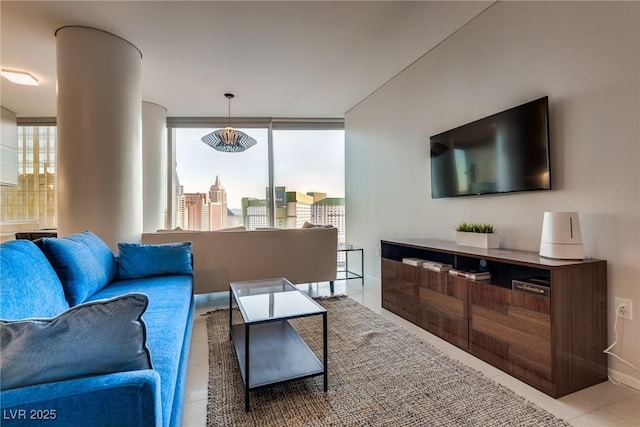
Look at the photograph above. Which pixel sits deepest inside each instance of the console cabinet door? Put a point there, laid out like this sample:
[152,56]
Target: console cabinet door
[512,331]
[443,306]
[400,289]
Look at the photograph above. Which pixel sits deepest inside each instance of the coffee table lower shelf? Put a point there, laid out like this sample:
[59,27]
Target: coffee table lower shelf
[277,354]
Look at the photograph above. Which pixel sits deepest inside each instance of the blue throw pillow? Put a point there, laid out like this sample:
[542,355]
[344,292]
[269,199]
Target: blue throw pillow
[83,262]
[94,338]
[30,287]
[143,260]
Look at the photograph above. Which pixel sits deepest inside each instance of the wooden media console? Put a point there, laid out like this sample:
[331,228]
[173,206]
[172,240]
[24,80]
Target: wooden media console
[552,337]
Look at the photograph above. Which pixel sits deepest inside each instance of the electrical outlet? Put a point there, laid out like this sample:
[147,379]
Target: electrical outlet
[624,307]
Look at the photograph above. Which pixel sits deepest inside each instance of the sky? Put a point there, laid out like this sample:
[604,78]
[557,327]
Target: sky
[303,161]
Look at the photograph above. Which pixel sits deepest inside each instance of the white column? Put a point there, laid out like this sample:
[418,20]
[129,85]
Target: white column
[154,166]
[99,153]
[8,147]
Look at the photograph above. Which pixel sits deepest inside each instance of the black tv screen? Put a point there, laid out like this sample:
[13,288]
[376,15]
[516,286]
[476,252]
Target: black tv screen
[502,153]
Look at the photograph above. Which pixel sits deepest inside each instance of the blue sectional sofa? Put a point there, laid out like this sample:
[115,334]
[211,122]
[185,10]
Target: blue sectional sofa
[91,339]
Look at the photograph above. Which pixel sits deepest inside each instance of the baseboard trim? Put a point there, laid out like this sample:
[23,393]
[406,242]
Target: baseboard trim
[372,278]
[625,379]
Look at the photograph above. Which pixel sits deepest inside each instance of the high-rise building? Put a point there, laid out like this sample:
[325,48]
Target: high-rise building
[317,196]
[280,206]
[298,206]
[181,208]
[217,206]
[202,211]
[254,213]
[217,193]
[331,211]
[293,209]
[196,211]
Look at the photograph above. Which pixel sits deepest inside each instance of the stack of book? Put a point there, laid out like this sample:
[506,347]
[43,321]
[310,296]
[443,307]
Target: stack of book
[436,266]
[416,262]
[473,275]
[429,265]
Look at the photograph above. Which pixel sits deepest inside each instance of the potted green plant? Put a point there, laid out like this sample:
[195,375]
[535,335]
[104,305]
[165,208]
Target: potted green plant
[477,235]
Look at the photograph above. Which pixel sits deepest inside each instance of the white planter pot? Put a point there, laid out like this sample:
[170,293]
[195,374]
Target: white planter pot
[478,240]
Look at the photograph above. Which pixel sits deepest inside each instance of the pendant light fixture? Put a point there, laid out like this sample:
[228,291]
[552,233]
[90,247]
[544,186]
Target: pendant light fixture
[229,140]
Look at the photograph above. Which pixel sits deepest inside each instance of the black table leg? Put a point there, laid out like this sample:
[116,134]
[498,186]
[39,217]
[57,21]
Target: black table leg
[362,266]
[230,318]
[324,351]
[246,368]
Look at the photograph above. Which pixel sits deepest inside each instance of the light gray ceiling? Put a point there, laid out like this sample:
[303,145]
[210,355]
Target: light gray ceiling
[281,59]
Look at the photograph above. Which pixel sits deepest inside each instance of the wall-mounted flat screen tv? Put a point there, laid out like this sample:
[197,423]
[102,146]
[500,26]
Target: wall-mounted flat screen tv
[502,153]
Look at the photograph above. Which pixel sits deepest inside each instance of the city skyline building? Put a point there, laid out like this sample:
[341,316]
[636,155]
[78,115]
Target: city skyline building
[209,211]
[203,211]
[181,208]
[331,211]
[194,209]
[218,210]
[298,209]
[254,213]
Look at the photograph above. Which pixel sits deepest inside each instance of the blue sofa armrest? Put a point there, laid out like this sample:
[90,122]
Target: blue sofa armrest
[120,399]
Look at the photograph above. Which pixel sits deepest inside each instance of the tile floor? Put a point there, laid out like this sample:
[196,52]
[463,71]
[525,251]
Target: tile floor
[602,405]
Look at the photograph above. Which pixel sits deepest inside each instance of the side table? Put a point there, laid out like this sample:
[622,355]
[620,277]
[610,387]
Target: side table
[347,274]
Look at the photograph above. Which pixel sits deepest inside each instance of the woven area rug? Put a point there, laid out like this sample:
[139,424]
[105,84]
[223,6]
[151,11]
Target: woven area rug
[379,375]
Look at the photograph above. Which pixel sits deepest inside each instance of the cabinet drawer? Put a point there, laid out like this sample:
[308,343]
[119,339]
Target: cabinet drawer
[442,307]
[400,289]
[512,331]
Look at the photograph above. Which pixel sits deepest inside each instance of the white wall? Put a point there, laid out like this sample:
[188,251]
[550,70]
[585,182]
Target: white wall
[586,57]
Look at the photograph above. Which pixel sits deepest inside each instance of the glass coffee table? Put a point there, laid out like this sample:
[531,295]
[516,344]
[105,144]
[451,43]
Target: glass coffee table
[268,348]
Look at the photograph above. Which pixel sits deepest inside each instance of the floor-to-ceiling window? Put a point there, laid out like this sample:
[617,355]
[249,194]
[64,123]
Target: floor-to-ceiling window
[216,189]
[308,169]
[32,201]
[294,174]
[300,165]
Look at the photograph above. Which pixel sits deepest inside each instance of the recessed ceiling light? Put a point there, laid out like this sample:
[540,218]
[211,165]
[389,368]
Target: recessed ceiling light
[20,77]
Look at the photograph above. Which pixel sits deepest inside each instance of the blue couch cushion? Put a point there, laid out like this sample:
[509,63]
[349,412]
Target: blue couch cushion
[95,338]
[30,286]
[167,317]
[83,262]
[137,260]
[130,399]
